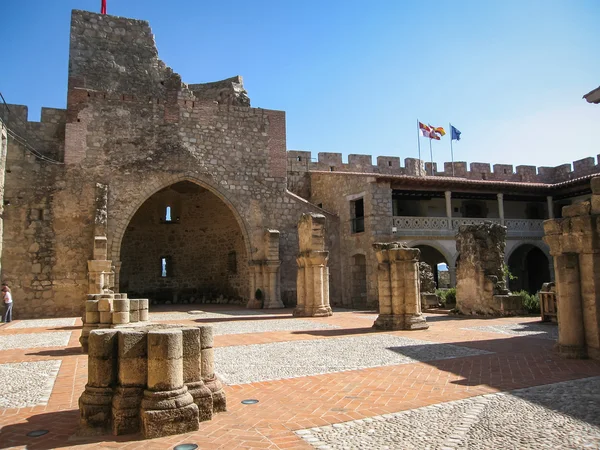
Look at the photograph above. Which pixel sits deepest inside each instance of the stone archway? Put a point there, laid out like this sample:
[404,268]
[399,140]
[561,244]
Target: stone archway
[531,268]
[433,257]
[184,242]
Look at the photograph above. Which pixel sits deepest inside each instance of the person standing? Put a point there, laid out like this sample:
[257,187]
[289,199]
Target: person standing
[8,303]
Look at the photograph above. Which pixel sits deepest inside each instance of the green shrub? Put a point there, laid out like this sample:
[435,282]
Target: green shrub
[447,296]
[530,302]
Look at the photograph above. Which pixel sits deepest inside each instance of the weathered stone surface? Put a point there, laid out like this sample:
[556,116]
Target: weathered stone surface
[398,285]
[145,377]
[427,281]
[313,272]
[575,244]
[480,284]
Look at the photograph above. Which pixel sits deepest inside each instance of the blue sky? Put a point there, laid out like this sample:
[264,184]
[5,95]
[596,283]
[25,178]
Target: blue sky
[353,76]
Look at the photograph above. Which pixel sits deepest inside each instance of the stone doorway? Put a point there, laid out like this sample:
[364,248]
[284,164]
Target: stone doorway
[184,245]
[359,281]
[530,266]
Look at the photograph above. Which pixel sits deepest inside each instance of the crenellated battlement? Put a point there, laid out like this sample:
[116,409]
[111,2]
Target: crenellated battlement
[302,161]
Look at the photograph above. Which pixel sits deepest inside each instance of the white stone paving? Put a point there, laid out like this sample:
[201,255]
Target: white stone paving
[261,362]
[43,323]
[538,330]
[556,416]
[27,383]
[35,340]
[255,324]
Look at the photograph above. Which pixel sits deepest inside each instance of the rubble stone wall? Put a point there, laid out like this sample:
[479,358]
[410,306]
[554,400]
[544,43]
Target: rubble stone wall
[132,125]
[203,244]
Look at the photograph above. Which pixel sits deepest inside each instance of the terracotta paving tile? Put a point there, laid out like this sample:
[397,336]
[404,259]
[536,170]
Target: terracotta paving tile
[291,404]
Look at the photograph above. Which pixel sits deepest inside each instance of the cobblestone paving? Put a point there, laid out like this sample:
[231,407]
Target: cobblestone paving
[563,415]
[280,360]
[27,383]
[34,340]
[43,323]
[539,330]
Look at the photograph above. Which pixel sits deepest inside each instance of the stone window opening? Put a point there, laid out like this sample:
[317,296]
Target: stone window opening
[357,214]
[331,168]
[299,158]
[168,214]
[166,267]
[389,163]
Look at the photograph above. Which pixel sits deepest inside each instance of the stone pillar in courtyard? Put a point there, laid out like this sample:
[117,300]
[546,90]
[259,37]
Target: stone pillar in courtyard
[313,272]
[427,286]
[398,287]
[480,284]
[265,279]
[574,243]
[100,269]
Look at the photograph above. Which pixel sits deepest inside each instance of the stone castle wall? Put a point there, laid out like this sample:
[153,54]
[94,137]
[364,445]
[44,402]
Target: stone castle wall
[133,125]
[299,163]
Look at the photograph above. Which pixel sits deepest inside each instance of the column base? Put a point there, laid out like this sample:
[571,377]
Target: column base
[571,351]
[203,398]
[323,311]
[126,410]
[164,413]
[218,394]
[95,409]
[254,304]
[273,304]
[389,322]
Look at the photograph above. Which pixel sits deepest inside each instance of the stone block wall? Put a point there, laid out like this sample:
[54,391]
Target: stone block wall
[390,165]
[132,125]
[336,192]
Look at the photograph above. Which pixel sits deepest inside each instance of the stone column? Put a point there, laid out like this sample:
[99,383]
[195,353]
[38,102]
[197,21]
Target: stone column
[448,195]
[571,339]
[120,313]
[574,243]
[192,373]
[398,288]
[95,404]
[273,297]
[271,277]
[91,321]
[167,407]
[550,203]
[208,369]
[134,310]
[143,304]
[132,374]
[501,208]
[313,274]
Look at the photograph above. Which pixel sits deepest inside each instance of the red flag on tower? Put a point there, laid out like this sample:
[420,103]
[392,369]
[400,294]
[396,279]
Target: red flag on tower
[103,8]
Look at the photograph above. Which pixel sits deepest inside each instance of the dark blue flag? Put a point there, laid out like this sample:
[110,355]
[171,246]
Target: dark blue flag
[455,133]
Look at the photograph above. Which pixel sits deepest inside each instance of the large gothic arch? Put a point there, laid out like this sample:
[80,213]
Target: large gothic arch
[118,225]
[195,252]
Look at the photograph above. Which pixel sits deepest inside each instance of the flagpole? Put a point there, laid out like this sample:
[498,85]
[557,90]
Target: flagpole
[419,143]
[451,149]
[431,155]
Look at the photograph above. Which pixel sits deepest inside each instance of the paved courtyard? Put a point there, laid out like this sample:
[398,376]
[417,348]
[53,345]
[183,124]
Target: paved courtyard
[329,383]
